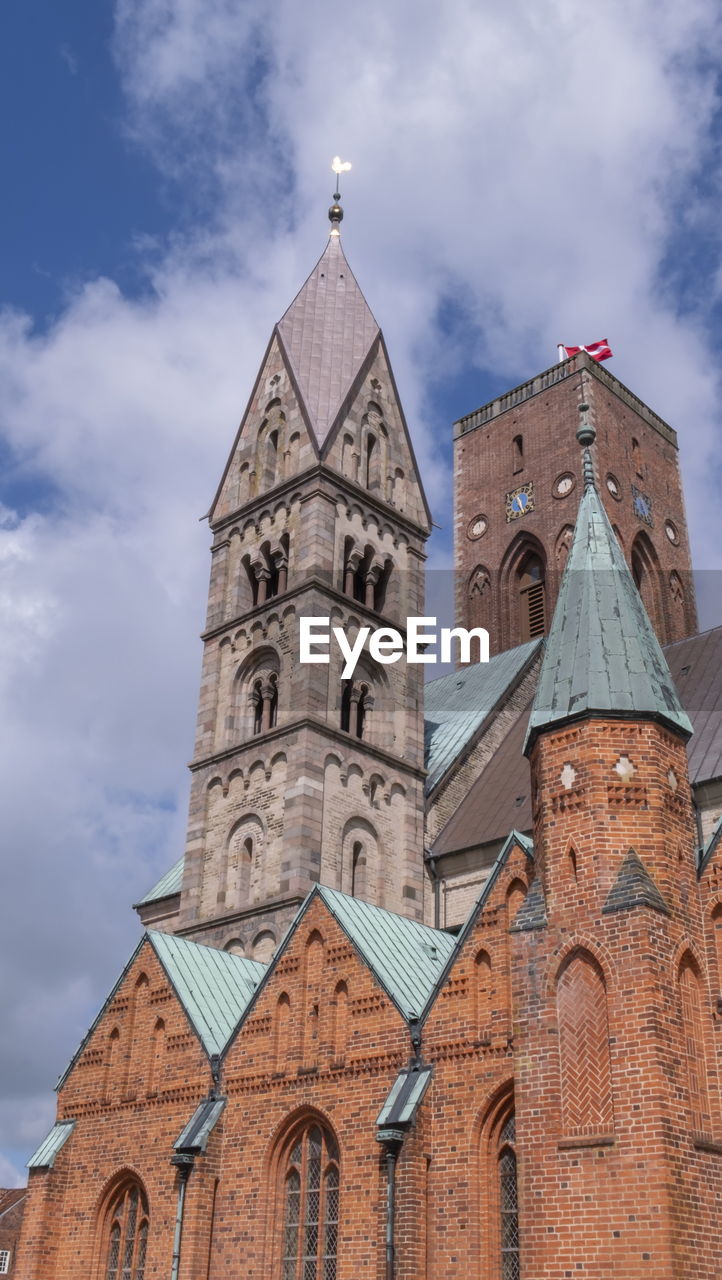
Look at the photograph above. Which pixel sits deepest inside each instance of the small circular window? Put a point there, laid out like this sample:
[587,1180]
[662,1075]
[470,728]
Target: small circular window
[478,527]
[563,485]
[672,533]
[614,487]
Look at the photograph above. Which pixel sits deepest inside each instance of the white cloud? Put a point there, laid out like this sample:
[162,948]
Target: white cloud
[539,167]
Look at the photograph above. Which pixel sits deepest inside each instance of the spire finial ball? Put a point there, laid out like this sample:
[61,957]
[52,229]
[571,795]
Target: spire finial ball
[335,213]
[586,434]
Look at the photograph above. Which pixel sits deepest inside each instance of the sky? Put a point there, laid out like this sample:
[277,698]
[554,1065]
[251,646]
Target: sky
[522,174]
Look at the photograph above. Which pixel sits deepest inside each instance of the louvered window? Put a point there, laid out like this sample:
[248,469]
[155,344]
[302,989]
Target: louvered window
[311,1193]
[532,599]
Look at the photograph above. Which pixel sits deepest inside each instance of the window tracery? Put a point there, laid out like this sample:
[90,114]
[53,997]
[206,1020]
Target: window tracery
[311,1204]
[127,1234]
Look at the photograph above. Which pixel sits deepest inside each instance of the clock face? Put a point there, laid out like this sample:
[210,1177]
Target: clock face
[519,502]
[642,504]
[613,486]
[563,485]
[478,527]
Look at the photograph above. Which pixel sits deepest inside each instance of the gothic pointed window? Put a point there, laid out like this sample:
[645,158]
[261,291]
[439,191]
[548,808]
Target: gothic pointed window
[508,1202]
[127,1235]
[311,1198]
[532,602]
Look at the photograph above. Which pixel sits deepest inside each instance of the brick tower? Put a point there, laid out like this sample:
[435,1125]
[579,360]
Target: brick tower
[517,482]
[617,1103]
[299,776]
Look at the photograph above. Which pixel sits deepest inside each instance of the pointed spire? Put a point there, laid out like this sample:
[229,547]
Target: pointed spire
[327,333]
[601,656]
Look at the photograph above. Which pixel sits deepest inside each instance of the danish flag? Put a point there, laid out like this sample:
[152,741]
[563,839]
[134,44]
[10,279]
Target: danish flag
[597,350]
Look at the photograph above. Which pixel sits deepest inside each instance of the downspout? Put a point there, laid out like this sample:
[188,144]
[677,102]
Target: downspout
[392,1142]
[183,1161]
[436,881]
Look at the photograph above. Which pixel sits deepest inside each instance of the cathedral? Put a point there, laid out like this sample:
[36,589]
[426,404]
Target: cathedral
[435,989]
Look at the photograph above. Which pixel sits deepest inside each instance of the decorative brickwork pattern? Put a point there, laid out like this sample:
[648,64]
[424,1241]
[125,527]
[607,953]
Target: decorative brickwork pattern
[584,1047]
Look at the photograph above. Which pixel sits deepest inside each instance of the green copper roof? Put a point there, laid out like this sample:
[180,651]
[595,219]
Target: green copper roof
[456,706]
[213,986]
[407,1092]
[407,957]
[168,884]
[44,1157]
[602,655]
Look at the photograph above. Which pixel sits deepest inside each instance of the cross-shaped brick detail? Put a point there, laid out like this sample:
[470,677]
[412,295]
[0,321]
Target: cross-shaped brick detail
[568,776]
[625,768]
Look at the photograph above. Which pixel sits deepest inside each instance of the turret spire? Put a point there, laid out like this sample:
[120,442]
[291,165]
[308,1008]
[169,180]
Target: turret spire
[602,656]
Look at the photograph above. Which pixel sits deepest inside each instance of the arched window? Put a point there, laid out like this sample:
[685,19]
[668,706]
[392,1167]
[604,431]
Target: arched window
[349,461]
[356,702]
[311,1196]
[372,462]
[517,454]
[584,1047]
[157,1057]
[264,945]
[694,1043]
[282,1031]
[359,886]
[257,700]
[270,459]
[482,993]
[647,577]
[340,1023]
[127,1234]
[508,1201]
[717,927]
[637,456]
[532,604]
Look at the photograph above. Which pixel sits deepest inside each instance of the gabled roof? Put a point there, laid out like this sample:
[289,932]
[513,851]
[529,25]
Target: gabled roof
[327,333]
[696,665]
[10,1197]
[168,884]
[602,655]
[514,838]
[500,796]
[214,988]
[405,956]
[456,705]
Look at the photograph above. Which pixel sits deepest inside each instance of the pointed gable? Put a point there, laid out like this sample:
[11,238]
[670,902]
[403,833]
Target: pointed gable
[634,887]
[602,656]
[406,957]
[214,988]
[327,333]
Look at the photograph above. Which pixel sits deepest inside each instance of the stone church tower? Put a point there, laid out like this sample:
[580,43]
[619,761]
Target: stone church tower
[299,776]
[517,486]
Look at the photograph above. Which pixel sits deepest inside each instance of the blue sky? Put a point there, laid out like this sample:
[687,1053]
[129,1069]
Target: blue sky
[520,175]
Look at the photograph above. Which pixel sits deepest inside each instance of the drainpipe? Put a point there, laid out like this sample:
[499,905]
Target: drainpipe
[183,1162]
[431,862]
[392,1142]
